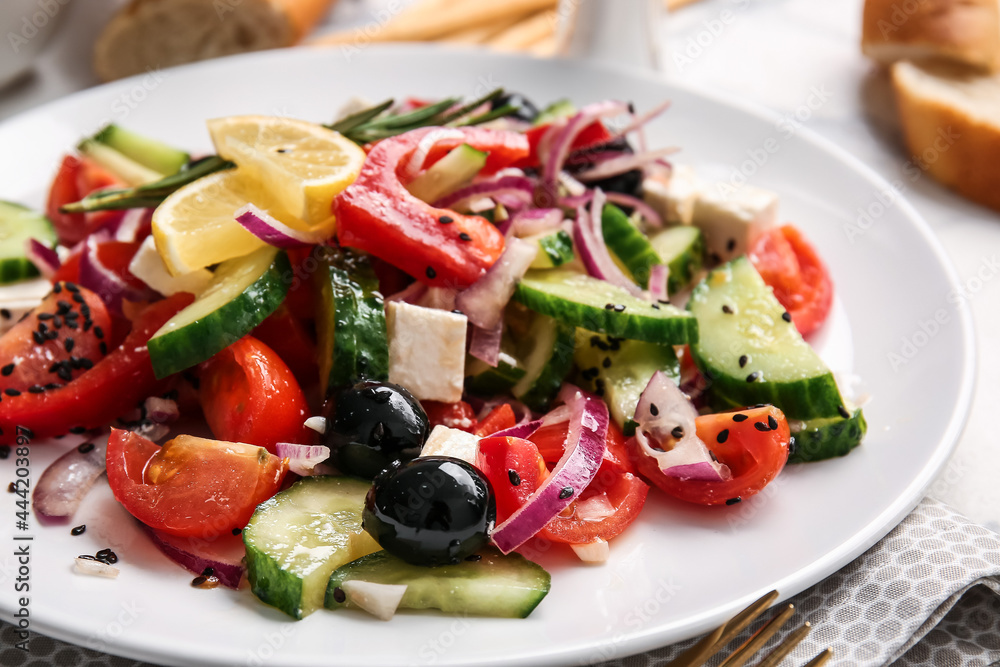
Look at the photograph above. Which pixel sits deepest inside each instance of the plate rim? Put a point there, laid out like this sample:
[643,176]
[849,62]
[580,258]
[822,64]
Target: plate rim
[790,585]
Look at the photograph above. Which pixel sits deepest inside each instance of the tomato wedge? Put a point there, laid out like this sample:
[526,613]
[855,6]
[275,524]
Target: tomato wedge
[437,246]
[499,418]
[458,415]
[790,266]
[515,470]
[78,176]
[248,394]
[58,341]
[191,487]
[752,442]
[111,388]
[608,505]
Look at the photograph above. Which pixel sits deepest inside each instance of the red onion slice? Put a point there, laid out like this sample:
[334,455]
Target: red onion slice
[525,430]
[485,343]
[623,163]
[45,259]
[224,554]
[588,238]
[585,446]
[484,300]
[519,187]
[62,487]
[108,285]
[429,140]
[558,141]
[644,209]
[536,221]
[663,407]
[642,119]
[274,232]
[658,276]
[134,223]
[303,459]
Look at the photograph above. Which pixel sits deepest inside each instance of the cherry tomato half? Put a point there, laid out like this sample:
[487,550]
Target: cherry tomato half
[752,442]
[248,394]
[515,470]
[191,487]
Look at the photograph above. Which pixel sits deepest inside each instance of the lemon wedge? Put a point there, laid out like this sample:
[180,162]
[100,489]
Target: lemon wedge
[304,165]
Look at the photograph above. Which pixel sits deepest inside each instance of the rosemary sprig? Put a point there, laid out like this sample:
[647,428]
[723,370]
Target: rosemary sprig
[362,127]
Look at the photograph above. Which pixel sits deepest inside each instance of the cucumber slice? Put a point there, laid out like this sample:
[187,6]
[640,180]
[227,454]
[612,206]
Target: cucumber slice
[148,152]
[820,439]
[582,301]
[296,539]
[121,166]
[17,225]
[352,342]
[554,249]
[555,111]
[448,174]
[243,292]
[484,380]
[619,370]
[741,320]
[494,585]
[547,354]
[681,248]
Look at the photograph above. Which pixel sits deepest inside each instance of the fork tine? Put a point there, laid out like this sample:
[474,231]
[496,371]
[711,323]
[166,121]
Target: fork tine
[820,659]
[788,644]
[713,642]
[759,638]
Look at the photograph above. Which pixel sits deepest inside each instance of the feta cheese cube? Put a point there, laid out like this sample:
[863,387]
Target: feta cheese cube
[673,196]
[426,351]
[444,441]
[147,266]
[730,217]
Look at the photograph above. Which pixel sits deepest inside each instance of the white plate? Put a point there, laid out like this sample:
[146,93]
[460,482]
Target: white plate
[679,570]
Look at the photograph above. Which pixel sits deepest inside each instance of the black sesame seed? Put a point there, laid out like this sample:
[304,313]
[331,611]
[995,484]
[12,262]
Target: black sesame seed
[10,391]
[68,344]
[464,237]
[787,316]
[4,451]
[653,410]
[339,595]
[72,287]
[761,426]
[607,362]
[52,335]
[743,360]
[656,306]
[599,387]
[208,572]
[52,385]
[772,422]
[198,581]
[36,389]
[64,307]
[79,530]
[11,488]
[85,447]
[86,324]
[665,302]
[841,410]
[237,531]
[103,347]
[514,478]
[733,501]
[620,308]
[609,306]
[78,298]
[446,219]
[726,309]
[99,332]
[57,288]
[472,558]
[723,436]
[753,377]
[78,430]
[565,492]
[45,316]
[677,432]
[65,373]
[431,273]
[86,557]
[57,322]
[86,363]
[731,245]
[7,370]
[5,314]
[739,417]
[39,338]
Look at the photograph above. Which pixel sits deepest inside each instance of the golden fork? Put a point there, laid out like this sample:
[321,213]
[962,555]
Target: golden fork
[716,640]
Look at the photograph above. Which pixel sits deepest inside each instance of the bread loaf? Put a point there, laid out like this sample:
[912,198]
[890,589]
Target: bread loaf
[151,34]
[964,31]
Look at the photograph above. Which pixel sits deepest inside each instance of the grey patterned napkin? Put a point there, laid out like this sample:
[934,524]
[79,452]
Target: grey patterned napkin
[926,595]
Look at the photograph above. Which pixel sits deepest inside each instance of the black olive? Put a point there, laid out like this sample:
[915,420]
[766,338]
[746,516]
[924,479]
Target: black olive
[371,425]
[629,182]
[526,110]
[434,510]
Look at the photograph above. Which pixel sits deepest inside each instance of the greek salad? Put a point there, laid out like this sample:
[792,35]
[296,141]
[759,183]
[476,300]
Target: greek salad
[368,364]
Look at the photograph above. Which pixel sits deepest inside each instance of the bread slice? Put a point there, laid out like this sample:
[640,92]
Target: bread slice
[152,34]
[964,31]
[951,121]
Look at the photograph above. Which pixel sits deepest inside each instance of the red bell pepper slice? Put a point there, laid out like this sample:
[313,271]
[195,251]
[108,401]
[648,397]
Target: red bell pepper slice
[111,388]
[78,176]
[437,246]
